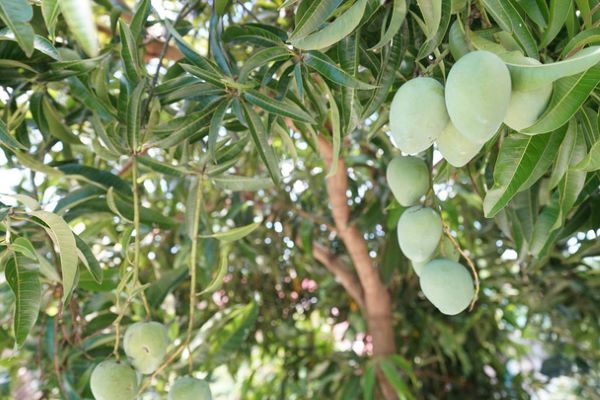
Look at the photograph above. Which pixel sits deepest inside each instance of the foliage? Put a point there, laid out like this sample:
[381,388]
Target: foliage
[163,163]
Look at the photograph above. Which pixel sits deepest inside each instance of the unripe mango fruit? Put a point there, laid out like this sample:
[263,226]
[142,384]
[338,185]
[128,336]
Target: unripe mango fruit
[145,344]
[113,380]
[477,95]
[456,149]
[447,285]
[526,105]
[418,114]
[419,233]
[408,178]
[188,388]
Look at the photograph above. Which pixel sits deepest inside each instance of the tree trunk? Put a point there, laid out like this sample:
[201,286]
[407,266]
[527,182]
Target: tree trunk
[378,305]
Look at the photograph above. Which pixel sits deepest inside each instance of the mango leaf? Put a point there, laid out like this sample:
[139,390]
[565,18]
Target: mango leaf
[217,281]
[7,140]
[16,14]
[50,11]
[326,67]
[510,20]
[435,40]
[431,10]
[40,43]
[398,16]
[261,142]
[234,234]
[88,258]
[55,126]
[368,383]
[591,36]
[263,57]
[129,54]
[80,20]
[531,77]
[387,75]
[159,289]
[559,10]
[101,178]
[521,162]
[28,161]
[134,111]
[25,284]
[572,182]
[335,31]
[395,379]
[543,231]
[64,239]
[254,34]
[564,155]
[568,95]
[23,245]
[142,10]
[348,51]
[242,183]
[283,108]
[314,15]
[162,167]
[215,124]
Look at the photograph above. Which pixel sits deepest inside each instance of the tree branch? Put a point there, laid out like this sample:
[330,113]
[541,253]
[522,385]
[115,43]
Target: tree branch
[378,305]
[342,274]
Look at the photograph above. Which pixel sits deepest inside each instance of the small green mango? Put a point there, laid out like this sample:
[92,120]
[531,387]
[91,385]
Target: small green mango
[477,95]
[448,285]
[408,178]
[418,114]
[419,232]
[145,344]
[526,105]
[113,380]
[456,149]
[188,388]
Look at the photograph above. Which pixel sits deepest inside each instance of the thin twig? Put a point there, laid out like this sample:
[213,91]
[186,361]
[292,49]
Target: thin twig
[469,261]
[250,13]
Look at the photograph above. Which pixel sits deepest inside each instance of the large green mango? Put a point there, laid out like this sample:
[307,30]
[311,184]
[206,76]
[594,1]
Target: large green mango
[448,285]
[145,344]
[419,233]
[113,380]
[188,388]
[418,114]
[477,95]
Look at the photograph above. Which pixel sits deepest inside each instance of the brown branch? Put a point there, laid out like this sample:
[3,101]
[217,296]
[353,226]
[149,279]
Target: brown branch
[378,305]
[344,276]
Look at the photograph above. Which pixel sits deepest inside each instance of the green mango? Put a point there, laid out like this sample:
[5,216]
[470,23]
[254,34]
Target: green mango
[145,344]
[456,149]
[477,95]
[113,380]
[188,388]
[408,178]
[448,285]
[419,233]
[418,114]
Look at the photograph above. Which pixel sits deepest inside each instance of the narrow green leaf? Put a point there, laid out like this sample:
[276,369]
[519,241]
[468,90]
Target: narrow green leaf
[568,95]
[334,31]
[162,167]
[204,74]
[28,161]
[349,55]
[284,108]
[559,10]
[234,234]
[16,14]
[263,57]
[221,7]
[326,67]
[242,183]
[216,122]
[80,20]
[88,259]
[434,41]
[25,284]
[55,126]
[431,10]
[261,142]
[129,54]
[572,182]
[510,20]
[564,153]
[23,245]
[217,281]
[315,15]
[40,43]
[7,139]
[142,10]
[521,162]
[50,10]
[63,238]
[394,378]
[97,177]
[398,16]
[111,202]
[134,111]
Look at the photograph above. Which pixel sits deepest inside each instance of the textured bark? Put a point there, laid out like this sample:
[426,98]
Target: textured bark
[378,305]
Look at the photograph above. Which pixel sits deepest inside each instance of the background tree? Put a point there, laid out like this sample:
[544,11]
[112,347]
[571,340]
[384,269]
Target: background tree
[220,168]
